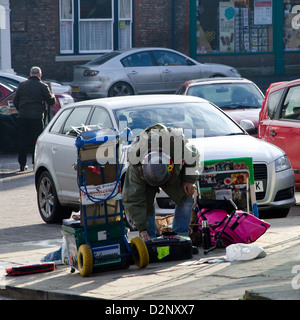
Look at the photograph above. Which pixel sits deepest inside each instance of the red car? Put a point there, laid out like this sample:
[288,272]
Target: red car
[7,93]
[9,118]
[239,98]
[279,121]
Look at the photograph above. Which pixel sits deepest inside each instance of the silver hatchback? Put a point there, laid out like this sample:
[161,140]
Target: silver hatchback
[140,71]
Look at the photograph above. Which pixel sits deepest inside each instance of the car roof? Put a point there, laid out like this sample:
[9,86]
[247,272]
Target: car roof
[137,101]
[125,52]
[217,80]
[283,84]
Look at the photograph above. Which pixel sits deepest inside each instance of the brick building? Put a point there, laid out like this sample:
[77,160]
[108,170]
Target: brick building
[58,34]
[36,31]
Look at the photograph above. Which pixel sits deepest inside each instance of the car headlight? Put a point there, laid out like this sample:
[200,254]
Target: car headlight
[282,163]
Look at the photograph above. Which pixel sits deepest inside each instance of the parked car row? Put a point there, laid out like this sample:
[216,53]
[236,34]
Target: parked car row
[222,138]
[227,107]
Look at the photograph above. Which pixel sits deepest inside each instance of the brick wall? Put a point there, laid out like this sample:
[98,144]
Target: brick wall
[153,24]
[34,35]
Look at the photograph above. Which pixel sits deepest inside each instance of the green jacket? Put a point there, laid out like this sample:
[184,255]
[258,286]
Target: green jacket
[137,195]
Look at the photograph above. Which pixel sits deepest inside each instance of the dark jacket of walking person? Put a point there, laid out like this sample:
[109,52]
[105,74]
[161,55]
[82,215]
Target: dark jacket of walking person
[30,100]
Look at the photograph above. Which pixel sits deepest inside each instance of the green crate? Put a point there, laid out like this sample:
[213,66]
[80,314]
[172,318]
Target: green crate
[96,234]
[75,237]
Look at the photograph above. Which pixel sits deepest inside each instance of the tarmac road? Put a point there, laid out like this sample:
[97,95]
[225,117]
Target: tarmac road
[19,215]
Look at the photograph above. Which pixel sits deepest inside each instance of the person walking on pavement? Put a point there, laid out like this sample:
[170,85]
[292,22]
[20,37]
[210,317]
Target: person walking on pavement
[30,101]
[171,164]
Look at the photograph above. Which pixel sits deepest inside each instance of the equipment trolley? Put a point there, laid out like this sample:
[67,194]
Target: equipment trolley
[99,242]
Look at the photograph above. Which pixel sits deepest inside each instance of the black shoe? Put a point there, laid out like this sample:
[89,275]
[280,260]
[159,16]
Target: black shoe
[23,168]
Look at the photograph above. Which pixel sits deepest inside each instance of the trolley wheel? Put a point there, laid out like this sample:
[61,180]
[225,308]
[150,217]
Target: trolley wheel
[85,260]
[139,251]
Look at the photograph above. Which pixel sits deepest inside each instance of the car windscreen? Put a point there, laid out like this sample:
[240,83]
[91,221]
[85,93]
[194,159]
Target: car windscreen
[197,118]
[229,95]
[104,58]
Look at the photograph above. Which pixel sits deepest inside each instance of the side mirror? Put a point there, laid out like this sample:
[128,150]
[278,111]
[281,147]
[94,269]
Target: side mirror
[247,125]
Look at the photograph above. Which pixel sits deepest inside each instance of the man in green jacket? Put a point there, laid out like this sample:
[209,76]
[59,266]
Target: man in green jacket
[160,157]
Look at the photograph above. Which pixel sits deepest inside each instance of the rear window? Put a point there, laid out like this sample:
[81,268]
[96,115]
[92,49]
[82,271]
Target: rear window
[104,58]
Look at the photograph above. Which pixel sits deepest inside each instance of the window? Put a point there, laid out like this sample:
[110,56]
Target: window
[60,121]
[234,26]
[291,105]
[125,20]
[273,103]
[101,118]
[77,119]
[291,25]
[167,58]
[140,59]
[66,26]
[95,25]
[87,26]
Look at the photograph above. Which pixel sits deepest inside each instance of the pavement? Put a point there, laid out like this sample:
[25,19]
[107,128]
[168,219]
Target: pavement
[274,277]
[203,277]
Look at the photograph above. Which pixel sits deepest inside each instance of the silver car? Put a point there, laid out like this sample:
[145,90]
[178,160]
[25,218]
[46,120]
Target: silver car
[140,71]
[55,178]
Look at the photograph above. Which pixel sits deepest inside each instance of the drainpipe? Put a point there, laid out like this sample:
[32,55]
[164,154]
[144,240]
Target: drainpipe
[193,27]
[279,61]
[173,19]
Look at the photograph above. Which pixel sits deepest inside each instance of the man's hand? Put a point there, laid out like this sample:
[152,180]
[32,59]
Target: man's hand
[188,188]
[144,235]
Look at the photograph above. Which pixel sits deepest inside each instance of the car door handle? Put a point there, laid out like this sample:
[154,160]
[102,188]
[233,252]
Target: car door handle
[133,72]
[272,133]
[166,71]
[54,149]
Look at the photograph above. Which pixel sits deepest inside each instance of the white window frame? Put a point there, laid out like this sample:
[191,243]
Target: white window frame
[72,27]
[111,20]
[125,19]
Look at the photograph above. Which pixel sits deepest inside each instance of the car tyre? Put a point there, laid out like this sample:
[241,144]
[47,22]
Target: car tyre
[120,89]
[49,207]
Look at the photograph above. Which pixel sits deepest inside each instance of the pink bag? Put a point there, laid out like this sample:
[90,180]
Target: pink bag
[242,228]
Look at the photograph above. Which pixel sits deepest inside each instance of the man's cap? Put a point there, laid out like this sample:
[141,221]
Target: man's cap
[157,168]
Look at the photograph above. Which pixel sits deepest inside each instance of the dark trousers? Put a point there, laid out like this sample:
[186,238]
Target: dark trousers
[29,130]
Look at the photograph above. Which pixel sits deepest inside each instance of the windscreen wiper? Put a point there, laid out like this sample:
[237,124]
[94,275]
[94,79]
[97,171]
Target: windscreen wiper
[235,134]
[237,106]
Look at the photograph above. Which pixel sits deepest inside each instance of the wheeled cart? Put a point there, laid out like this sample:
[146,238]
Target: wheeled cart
[98,241]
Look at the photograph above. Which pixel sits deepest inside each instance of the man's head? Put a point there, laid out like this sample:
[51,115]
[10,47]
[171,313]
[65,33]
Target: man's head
[157,168]
[36,71]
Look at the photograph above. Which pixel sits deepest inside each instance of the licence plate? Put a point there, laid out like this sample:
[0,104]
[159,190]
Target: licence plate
[75,89]
[259,186]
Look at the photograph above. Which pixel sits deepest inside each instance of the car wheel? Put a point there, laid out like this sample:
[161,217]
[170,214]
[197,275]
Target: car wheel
[120,89]
[49,207]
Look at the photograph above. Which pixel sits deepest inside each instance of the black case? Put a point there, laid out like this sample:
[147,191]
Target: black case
[169,248]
